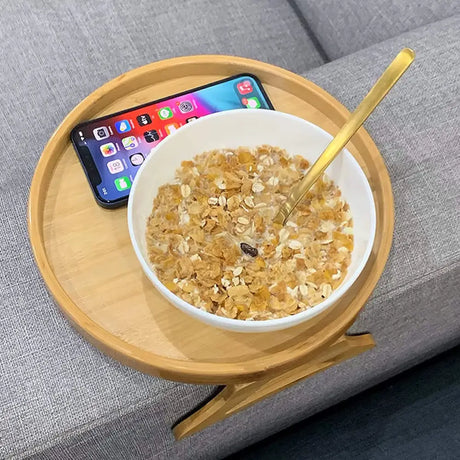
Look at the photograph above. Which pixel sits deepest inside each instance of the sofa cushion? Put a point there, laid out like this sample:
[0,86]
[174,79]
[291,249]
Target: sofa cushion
[345,26]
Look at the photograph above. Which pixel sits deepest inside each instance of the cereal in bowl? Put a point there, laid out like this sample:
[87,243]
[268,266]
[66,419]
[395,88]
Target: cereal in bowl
[212,241]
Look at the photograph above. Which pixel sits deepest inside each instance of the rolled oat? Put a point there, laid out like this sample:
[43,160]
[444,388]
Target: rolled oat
[220,205]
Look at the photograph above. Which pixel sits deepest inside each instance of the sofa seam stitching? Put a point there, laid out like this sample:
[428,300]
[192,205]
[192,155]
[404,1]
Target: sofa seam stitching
[308,30]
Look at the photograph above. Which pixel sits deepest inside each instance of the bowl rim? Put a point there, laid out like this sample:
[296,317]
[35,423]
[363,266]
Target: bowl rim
[237,324]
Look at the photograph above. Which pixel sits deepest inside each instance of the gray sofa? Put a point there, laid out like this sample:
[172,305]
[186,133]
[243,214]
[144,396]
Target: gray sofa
[60,398]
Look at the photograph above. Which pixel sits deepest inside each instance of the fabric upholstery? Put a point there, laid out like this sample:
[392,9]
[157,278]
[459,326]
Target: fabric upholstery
[416,130]
[60,398]
[345,26]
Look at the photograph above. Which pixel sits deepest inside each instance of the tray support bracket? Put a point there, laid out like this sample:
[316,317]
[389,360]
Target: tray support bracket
[236,397]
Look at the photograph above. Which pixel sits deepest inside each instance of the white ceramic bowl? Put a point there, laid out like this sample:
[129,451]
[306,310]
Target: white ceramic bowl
[251,128]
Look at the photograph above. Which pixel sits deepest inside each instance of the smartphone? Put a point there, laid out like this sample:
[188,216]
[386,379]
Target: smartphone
[112,148]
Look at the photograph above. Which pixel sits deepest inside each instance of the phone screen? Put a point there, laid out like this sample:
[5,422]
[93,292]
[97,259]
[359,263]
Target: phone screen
[112,148]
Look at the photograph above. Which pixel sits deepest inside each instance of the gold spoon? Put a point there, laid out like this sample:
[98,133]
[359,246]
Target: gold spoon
[391,75]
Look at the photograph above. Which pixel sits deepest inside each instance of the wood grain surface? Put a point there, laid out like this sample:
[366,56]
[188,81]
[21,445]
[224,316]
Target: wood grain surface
[85,256]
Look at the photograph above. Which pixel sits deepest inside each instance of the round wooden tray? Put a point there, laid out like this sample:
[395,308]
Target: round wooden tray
[85,256]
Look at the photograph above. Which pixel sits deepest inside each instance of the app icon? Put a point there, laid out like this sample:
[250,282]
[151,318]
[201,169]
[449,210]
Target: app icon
[165,113]
[251,102]
[137,159]
[185,106]
[244,87]
[123,126]
[122,183]
[108,149]
[191,119]
[129,142]
[151,136]
[144,119]
[171,128]
[101,133]
[115,166]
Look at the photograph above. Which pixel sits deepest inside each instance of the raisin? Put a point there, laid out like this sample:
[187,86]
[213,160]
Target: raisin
[249,250]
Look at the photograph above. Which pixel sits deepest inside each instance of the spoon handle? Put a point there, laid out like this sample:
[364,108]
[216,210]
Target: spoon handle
[391,75]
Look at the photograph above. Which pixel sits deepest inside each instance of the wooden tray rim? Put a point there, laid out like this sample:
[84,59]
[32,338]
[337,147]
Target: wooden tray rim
[171,368]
